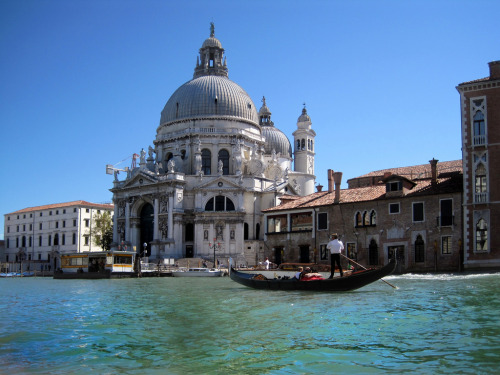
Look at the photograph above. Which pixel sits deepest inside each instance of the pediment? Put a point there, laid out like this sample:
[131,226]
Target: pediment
[283,188]
[140,179]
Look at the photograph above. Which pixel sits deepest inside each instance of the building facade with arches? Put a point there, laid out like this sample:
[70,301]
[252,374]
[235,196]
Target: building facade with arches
[480,114]
[215,163]
[414,212]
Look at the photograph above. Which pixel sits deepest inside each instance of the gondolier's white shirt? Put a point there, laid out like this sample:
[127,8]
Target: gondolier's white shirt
[335,246]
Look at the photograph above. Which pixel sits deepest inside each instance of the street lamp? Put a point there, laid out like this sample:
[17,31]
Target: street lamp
[215,246]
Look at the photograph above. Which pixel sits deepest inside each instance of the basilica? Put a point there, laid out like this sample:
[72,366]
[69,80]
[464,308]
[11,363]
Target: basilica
[216,162]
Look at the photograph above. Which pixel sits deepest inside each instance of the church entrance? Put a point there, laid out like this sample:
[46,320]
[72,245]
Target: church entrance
[147,229]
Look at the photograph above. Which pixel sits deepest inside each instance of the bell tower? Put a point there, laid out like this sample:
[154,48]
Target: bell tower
[304,144]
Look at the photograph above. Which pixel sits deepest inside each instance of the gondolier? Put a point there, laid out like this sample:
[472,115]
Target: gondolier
[335,246]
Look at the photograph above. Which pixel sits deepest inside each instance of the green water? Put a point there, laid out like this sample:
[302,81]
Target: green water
[436,324]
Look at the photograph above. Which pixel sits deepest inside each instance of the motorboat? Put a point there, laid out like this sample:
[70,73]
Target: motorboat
[197,272]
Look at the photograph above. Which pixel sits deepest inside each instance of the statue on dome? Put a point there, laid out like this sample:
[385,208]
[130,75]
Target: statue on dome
[212,29]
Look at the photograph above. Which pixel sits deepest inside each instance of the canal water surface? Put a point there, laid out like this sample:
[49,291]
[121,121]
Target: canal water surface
[430,324]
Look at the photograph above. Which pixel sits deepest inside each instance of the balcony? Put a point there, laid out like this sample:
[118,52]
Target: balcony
[479,140]
[481,197]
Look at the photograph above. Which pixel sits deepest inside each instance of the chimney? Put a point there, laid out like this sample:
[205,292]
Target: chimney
[338,179]
[330,181]
[319,187]
[433,171]
[494,69]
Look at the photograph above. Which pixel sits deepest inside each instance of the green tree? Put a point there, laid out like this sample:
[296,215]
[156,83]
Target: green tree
[102,230]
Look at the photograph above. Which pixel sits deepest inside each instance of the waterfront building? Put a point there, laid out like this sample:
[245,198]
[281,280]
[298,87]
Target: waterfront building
[35,237]
[215,163]
[414,210]
[480,114]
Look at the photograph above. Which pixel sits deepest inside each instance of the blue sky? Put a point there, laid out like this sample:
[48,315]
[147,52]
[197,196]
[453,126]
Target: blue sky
[83,82]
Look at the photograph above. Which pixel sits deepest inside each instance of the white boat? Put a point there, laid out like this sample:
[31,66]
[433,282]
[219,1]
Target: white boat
[197,272]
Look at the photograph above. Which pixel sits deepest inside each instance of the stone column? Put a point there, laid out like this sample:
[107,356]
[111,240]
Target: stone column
[170,215]
[156,220]
[127,221]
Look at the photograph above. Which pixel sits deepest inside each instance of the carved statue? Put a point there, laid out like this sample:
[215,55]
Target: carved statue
[143,156]
[171,165]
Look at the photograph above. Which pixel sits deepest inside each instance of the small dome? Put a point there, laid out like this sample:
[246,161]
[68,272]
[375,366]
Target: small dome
[276,140]
[304,117]
[212,42]
[264,110]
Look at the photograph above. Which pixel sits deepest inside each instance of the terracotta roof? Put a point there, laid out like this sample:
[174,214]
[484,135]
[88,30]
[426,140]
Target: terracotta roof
[418,171]
[450,182]
[486,79]
[61,205]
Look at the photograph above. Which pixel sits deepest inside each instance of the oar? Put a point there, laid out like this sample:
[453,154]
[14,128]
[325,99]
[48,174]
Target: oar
[350,260]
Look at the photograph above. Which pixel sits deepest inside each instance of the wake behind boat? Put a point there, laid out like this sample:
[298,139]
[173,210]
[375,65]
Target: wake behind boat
[197,272]
[354,281]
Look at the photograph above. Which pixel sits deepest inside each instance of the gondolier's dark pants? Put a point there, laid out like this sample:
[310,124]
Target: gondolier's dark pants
[335,258]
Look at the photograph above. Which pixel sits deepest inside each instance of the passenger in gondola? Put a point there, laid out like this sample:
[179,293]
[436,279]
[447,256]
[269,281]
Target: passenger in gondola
[298,274]
[308,275]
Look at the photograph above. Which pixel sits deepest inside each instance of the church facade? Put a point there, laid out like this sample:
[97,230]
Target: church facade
[215,164]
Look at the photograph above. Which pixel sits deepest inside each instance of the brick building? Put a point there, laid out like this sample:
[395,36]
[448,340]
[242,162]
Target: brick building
[480,111]
[415,210]
[36,236]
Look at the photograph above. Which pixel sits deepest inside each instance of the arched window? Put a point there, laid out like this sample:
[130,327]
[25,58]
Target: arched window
[481,235]
[63,239]
[23,241]
[298,144]
[206,162]
[74,239]
[373,253]
[56,239]
[480,181]
[245,231]
[303,144]
[419,249]
[312,145]
[359,221]
[224,157]
[479,128]
[50,240]
[373,218]
[219,203]
[366,219]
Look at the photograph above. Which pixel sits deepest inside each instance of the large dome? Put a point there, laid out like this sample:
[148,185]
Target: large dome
[209,96]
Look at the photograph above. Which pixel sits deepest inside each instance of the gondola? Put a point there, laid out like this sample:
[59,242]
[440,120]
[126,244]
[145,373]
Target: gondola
[338,284]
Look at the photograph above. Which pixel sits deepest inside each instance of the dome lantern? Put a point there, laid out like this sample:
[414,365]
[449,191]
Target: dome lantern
[210,61]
